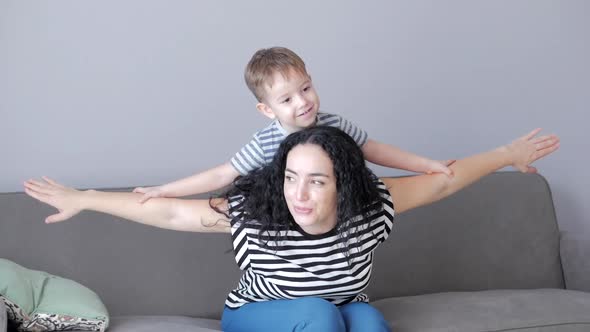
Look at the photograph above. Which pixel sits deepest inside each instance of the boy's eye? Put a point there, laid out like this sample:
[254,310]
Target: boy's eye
[306,88]
[286,100]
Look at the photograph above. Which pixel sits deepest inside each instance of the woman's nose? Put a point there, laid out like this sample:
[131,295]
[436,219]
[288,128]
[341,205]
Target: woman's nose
[302,194]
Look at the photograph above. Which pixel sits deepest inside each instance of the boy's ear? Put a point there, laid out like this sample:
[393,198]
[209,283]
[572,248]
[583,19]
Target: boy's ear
[265,110]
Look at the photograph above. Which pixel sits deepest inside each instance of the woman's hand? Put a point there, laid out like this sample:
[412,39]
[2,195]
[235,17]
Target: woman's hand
[66,200]
[528,148]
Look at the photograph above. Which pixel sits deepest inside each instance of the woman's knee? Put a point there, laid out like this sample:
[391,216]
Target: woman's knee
[319,315]
[304,314]
[360,316]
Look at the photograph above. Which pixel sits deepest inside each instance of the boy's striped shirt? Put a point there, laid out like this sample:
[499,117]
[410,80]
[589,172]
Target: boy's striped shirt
[304,265]
[265,143]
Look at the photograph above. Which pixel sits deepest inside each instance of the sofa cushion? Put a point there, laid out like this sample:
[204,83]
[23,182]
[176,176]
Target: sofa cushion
[39,301]
[496,310]
[163,323]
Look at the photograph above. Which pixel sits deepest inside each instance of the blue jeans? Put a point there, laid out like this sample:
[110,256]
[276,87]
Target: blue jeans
[304,314]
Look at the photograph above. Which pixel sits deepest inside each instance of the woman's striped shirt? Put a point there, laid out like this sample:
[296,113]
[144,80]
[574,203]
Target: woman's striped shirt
[305,265]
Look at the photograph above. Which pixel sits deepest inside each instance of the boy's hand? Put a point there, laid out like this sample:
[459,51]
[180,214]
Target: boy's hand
[149,192]
[434,166]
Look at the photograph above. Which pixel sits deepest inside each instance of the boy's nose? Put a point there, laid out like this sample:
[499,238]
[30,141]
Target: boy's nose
[302,101]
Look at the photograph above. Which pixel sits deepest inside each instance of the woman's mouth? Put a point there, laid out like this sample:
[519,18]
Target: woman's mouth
[302,210]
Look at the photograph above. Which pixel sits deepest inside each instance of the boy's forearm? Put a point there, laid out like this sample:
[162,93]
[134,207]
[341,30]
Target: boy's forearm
[209,180]
[393,157]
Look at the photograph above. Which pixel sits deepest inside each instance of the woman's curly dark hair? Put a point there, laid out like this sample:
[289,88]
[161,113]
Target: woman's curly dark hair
[264,201]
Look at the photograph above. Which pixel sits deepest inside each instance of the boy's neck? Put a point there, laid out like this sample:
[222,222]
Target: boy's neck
[293,130]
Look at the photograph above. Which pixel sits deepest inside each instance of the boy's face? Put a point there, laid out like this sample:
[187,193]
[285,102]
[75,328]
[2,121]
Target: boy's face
[292,100]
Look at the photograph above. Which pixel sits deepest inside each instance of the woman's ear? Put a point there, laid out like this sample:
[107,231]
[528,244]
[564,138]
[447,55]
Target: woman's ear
[265,110]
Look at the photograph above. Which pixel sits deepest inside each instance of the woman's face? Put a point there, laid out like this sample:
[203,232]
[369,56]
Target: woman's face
[310,188]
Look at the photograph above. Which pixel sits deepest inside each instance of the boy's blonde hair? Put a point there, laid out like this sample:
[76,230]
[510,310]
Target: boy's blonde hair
[267,61]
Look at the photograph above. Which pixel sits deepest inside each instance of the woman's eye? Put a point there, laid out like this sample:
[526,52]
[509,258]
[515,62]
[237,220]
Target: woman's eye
[318,182]
[289,178]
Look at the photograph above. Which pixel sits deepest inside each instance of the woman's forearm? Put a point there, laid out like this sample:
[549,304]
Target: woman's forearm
[169,213]
[155,212]
[414,191]
[470,169]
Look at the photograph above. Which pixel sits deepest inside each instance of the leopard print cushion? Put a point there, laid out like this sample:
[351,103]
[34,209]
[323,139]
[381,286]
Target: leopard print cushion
[38,322]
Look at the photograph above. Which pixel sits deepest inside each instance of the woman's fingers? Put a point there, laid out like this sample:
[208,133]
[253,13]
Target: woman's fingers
[532,134]
[52,182]
[540,153]
[38,186]
[38,196]
[57,217]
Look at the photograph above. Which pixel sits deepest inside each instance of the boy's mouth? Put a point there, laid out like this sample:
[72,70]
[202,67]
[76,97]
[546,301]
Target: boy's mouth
[306,112]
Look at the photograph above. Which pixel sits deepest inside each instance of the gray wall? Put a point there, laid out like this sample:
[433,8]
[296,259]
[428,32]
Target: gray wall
[127,93]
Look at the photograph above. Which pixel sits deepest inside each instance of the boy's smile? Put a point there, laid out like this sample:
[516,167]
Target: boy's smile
[292,100]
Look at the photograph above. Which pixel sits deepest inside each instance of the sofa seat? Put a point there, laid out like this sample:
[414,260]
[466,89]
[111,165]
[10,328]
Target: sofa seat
[536,310]
[162,323]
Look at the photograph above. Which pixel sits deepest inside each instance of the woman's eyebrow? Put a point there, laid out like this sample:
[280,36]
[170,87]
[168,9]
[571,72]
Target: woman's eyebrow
[310,174]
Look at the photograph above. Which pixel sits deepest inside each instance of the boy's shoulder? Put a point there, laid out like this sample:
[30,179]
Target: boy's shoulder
[328,119]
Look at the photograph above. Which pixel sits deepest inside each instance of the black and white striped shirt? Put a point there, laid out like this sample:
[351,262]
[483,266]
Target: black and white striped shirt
[304,265]
[265,143]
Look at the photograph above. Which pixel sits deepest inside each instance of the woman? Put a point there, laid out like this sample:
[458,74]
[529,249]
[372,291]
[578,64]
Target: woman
[304,228]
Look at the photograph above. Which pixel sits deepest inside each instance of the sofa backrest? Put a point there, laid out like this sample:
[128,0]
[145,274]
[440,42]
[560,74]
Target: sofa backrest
[498,233]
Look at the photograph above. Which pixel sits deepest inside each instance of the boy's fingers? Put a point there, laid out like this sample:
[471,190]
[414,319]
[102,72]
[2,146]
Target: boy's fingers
[448,171]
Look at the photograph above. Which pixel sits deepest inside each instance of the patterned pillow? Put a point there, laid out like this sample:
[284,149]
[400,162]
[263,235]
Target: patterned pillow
[2,316]
[39,301]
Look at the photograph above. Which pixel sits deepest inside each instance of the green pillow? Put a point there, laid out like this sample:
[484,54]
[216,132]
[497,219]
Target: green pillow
[39,301]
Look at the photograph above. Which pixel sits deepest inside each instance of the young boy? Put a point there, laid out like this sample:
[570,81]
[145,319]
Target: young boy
[283,88]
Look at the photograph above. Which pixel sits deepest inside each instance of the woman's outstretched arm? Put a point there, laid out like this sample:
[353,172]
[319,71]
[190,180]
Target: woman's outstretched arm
[169,213]
[413,191]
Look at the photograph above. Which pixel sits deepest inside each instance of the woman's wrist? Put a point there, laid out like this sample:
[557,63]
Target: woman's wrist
[85,198]
[506,155]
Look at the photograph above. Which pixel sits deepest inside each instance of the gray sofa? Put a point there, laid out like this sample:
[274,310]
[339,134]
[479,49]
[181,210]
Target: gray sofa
[490,258]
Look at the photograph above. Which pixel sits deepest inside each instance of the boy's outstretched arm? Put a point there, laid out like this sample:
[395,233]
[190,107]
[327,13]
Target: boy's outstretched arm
[394,157]
[209,180]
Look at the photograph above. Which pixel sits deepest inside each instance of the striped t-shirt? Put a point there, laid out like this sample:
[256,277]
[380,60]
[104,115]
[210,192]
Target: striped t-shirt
[262,148]
[305,265]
